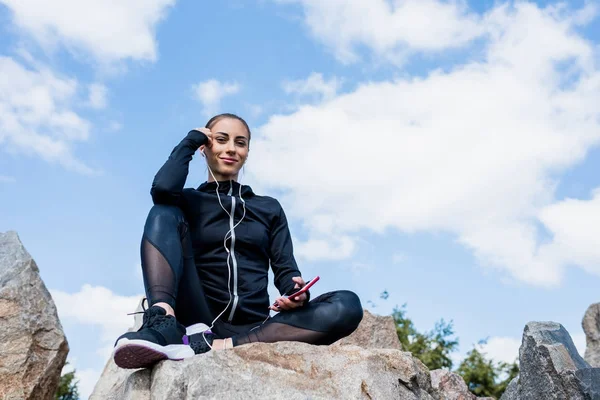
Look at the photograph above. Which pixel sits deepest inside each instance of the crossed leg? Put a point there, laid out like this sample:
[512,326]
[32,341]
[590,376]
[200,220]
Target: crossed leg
[172,282]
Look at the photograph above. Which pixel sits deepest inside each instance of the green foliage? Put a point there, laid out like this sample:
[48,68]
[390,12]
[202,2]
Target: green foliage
[511,370]
[482,375]
[478,373]
[433,348]
[67,387]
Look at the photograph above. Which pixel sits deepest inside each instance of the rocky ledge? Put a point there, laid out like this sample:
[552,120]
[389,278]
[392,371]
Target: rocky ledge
[366,365]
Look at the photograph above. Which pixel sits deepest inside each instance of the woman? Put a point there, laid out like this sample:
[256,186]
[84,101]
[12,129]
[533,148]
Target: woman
[205,259]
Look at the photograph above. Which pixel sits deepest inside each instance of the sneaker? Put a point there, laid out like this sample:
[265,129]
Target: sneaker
[202,342]
[160,337]
[197,328]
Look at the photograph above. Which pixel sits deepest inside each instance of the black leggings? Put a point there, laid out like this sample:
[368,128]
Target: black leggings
[170,276]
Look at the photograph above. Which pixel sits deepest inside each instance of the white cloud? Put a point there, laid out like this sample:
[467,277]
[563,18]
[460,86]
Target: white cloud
[98,306]
[109,30]
[211,92]
[97,95]
[37,116]
[501,349]
[575,225]
[472,151]
[389,28]
[314,86]
[331,249]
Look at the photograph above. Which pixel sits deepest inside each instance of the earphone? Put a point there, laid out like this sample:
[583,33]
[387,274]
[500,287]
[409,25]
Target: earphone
[228,235]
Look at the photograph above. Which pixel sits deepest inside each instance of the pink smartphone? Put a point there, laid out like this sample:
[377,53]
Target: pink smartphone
[303,290]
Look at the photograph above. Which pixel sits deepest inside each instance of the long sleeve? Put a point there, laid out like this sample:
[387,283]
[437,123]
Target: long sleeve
[168,182]
[281,253]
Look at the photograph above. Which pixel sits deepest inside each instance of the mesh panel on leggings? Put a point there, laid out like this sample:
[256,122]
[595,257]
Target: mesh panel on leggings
[159,279]
[322,321]
[271,332]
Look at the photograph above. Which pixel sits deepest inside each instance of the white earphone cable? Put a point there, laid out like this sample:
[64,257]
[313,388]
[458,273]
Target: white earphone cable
[228,235]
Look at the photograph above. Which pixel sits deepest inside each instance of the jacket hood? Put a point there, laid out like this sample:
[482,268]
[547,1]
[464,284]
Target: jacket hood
[225,186]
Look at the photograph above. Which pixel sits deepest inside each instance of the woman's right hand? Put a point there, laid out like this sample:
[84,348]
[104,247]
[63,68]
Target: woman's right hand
[208,134]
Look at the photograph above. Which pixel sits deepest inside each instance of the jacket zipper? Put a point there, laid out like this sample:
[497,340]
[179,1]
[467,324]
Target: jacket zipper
[234,260]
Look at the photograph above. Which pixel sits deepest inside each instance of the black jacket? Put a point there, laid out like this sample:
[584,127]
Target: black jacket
[262,238]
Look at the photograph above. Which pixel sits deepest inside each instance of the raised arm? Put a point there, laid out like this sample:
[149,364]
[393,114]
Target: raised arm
[168,182]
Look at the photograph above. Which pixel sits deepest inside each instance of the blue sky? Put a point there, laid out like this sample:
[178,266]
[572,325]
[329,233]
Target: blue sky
[446,152]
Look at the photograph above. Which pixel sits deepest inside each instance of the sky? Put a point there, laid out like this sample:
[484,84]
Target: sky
[443,151]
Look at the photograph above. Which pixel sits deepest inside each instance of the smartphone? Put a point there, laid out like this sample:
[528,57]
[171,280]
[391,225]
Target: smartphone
[303,290]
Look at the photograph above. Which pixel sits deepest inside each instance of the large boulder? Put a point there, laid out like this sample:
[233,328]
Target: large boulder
[284,370]
[374,332]
[33,347]
[591,327]
[551,368]
[367,364]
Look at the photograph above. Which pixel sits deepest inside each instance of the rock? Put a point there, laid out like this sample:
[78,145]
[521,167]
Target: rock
[33,347]
[591,327]
[589,382]
[511,392]
[374,332]
[112,380]
[284,370]
[551,368]
[450,385]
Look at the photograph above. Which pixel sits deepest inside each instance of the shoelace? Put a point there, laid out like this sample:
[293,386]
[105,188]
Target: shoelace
[143,308]
[147,320]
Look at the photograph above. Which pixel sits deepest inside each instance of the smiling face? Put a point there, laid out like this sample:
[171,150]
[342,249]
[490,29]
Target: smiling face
[229,149]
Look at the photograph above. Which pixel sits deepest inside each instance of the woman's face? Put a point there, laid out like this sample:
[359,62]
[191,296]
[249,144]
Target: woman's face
[229,149]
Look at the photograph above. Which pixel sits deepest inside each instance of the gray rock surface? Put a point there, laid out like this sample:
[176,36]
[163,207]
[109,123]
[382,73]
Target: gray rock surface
[551,368]
[374,332]
[591,327]
[112,381]
[33,347]
[451,386]
[589,382]
[512,390]
[283,370]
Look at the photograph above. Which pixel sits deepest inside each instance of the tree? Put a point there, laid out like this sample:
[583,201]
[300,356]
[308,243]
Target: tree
[482,375]
[433,348]
[512,370]
[67,387]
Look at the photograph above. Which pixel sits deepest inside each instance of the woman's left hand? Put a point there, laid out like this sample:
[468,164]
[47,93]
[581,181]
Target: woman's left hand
[284,303]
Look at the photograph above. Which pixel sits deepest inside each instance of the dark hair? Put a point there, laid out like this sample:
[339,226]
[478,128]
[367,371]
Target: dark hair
[219,117]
